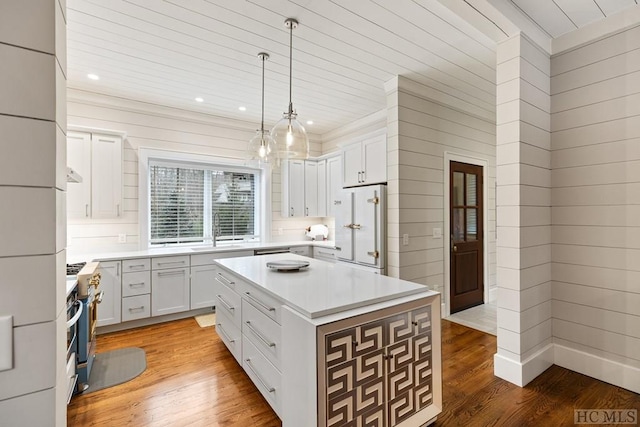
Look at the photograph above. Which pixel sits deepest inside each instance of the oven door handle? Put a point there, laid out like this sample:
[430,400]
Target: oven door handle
[99,297]
[76,316]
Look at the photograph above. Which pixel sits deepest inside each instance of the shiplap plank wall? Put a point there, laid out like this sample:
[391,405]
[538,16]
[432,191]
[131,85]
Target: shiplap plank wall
[32,218]
[596,203]
[524,210]
[164,128]
[420,131]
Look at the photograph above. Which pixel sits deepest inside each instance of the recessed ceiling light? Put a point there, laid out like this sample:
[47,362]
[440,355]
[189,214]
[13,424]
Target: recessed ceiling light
[309,122]
[93,76]
[199,99]
[242,108]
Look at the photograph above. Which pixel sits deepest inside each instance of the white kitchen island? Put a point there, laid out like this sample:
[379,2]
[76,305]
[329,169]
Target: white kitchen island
[331,345]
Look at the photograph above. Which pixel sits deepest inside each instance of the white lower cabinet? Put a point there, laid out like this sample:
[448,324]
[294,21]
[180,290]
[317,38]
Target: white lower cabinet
[136,307]
[325,254]
[230,335]
[109,310]
[264,375]
[170,291]
[202,292]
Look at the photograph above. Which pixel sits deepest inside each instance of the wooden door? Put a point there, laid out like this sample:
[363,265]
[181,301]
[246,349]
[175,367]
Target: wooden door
[466,233]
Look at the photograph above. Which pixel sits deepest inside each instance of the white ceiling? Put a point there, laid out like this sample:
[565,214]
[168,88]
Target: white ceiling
[171,51]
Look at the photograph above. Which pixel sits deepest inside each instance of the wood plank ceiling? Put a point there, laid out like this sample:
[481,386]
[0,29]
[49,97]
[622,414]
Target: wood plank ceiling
[170,52]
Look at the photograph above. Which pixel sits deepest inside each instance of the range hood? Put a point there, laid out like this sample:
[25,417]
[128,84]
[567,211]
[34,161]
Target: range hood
[73,176]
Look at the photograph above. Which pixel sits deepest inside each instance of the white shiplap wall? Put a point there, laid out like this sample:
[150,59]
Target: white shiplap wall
[154,126]
[524,211]
[32,218]
[420,131]
[596,208]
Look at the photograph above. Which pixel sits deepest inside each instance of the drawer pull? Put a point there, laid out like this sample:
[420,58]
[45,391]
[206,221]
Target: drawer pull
[264,384]
[222,331]
[171,262]
[226,281]
[226,304]
[137,266]
[172,273]
[260,303]
[259,335]
[132,309]
[135,285]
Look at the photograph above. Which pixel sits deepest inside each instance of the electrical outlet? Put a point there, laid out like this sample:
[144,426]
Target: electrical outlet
[122,238]
[279,231]
[437,233]
[405,239]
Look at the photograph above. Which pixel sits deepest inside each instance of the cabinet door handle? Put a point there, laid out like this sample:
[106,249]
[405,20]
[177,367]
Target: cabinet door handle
[307,213]
[264,384]
[86,210]
[260,335]
[226,335]
[364,176]
[359,176]
[171,262]
[136,266]
[118,269]
[260,303]
[171,273]
[225,280]
[291,210]
[118,209]
[225,303]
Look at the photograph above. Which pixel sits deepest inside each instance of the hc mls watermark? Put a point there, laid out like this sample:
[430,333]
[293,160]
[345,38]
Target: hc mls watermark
[605,416]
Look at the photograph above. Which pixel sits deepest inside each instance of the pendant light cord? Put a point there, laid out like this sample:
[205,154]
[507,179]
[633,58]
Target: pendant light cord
[290,67]
[262,119]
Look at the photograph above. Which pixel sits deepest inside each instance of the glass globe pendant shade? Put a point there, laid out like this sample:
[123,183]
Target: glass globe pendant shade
[261,150]
[290,138]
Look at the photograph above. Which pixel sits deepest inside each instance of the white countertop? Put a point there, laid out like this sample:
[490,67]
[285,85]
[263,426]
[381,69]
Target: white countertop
[146,253]
[323,288]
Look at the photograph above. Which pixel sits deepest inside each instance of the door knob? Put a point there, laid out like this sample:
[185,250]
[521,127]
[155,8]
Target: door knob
[455,248]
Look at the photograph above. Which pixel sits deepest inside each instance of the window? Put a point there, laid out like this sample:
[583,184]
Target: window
[187,201]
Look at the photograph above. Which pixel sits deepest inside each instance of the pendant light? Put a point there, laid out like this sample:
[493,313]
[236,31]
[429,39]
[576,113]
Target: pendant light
[289,135]
[261,150]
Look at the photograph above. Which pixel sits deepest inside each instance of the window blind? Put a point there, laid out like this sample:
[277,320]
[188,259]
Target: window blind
[188,203]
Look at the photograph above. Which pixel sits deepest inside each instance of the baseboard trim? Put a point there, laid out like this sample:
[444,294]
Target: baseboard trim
[609,371]
[522,373]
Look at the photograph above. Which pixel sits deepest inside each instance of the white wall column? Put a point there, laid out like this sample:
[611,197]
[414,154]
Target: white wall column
[32,217]
[525,346]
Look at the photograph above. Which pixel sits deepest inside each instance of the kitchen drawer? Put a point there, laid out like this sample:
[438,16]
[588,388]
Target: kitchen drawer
[265,333]
[301,250]
[134,265]
[169,262]
[325,254]
[230,335]
[136,283]
[136,307]
[263,374]
[229,302]
[208,258]
[228,279]
[266,304]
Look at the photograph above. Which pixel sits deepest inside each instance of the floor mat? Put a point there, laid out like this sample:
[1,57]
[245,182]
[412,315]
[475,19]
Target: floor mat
[116,367]
[206,320]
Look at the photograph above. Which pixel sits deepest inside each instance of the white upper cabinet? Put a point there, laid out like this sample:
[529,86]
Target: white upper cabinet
[322,188]
[365,162]
[334,183]
[98,160]
[310,188]
[293,188]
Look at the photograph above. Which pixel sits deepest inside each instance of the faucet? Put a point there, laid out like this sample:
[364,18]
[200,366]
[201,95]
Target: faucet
[215,228]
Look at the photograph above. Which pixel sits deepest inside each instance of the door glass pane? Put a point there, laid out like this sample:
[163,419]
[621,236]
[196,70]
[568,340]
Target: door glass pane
[458,225]
[458,189]
[472,224]
[471,190]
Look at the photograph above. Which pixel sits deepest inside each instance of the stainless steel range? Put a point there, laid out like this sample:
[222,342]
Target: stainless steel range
[89,296]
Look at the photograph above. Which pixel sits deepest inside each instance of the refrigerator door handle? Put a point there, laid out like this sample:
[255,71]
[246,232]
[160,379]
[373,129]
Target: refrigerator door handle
[374,254]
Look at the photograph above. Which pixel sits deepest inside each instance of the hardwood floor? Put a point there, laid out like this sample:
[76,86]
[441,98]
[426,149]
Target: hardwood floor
[192,380]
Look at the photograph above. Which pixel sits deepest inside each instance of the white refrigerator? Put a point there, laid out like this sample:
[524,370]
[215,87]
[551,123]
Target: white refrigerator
[361,227]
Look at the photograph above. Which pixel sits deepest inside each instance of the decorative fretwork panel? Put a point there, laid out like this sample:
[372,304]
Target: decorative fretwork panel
[355,372]
[379,374]
[357,403]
